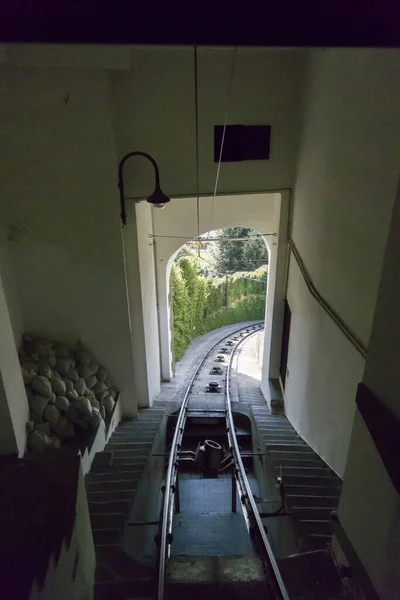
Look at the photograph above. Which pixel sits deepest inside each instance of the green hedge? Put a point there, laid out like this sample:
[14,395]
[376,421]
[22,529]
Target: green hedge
[202,304]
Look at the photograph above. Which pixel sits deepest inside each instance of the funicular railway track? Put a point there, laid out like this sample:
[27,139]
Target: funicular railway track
[274,585]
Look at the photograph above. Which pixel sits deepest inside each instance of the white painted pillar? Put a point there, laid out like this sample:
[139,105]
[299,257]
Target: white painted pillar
[142,298]
[14,410]
[164,317]
[275,303]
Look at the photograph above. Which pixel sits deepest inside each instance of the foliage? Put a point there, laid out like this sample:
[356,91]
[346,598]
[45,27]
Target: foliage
[201,304]
[232,256]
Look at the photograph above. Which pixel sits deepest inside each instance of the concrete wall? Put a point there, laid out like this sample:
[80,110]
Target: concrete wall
[14,412]
[154,107]
[370,505]
[61,207]
[344,192]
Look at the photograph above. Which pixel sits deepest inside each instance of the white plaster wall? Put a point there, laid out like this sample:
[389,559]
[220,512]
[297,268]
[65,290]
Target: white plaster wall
[10,288]
[370,505]
[142,299]
[155,109]
[343,197]
[14,411]
[60,192]
[179,218]
[144,220]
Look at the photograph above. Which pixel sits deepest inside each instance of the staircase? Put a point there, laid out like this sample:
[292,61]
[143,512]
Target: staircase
[312,488]
[111,488]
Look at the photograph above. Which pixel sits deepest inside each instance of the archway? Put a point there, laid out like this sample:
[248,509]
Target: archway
[266,213]
[218,281]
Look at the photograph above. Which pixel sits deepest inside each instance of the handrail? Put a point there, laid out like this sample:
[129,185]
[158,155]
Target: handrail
[358,345]
[250,510]
[170,480]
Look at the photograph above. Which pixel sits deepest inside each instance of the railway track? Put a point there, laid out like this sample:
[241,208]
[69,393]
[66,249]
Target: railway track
[218,360]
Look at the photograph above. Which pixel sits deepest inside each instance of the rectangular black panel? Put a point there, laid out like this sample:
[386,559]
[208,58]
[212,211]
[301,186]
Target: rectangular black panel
[242,142]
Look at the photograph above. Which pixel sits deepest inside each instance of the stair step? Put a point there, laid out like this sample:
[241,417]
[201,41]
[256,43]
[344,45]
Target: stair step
[298,447]
[108,520]
[115,447]
[111,474]
[106,536]
[314,526]
[110,495]
[114,506]
[311,490]
[312,512]
[328,482]
[142,450]
[288,454]
[295,462]
[108,486]
[130,461]
[272,435]
[298,471]
[311,500]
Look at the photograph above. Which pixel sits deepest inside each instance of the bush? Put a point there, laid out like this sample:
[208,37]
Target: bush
[201,304]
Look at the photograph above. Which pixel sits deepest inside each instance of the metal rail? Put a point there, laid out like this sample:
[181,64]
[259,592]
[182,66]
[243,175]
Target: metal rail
[249,507]
[357,343]
[170,480]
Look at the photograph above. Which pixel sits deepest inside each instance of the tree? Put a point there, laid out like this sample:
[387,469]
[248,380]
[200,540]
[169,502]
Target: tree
[240,255]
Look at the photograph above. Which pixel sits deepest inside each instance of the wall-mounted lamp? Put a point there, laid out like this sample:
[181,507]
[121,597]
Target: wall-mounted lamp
[158,199]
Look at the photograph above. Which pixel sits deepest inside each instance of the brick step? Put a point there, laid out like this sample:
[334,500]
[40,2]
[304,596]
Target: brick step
[312,512]
[312,500]
[115,446]
[133,434]
[110,496]
[271,432]
[275,455]
[307,472]
[108,520]
[295,462]
[270,440]
[114,506]
[105,486]
[267,422]
[330,483]
[298,447]
[136,450]
[138,425]
[106,536]
[279,435]
[312,490]
[313,526]
[129,461]
[113,474]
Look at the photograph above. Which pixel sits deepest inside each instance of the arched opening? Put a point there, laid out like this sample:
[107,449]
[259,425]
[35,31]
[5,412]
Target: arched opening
[266,213]
[218,279]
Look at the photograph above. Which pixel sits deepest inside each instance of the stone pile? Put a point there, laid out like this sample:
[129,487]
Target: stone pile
[67,390]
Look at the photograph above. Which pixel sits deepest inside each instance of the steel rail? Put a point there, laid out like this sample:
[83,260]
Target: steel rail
[169,487]
[249,507]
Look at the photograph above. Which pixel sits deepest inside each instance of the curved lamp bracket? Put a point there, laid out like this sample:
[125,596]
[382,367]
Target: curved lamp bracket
[157,198]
